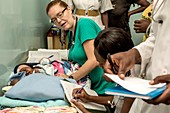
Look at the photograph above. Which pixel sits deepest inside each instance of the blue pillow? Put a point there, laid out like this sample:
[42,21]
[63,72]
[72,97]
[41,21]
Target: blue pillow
[37,87]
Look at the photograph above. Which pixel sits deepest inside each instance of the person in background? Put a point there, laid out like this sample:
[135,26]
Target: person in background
[109,41]
[153,55]
[81,35]
[93,9]
[143,5]
[120,14]
[143,25]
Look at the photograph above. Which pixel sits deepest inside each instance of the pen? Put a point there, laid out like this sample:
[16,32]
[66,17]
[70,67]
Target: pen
[111,63]
[80,90]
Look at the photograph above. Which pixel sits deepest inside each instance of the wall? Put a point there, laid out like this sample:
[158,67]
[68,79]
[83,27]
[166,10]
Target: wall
[24,24]
[136,37]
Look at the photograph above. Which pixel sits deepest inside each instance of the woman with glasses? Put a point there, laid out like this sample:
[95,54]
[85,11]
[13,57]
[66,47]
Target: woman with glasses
[81,35]
[93,9]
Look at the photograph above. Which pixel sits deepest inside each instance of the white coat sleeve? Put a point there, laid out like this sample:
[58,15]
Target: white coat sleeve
[105,6]
[146,49]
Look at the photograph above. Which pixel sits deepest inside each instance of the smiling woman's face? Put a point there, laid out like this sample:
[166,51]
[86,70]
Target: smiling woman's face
[61,16]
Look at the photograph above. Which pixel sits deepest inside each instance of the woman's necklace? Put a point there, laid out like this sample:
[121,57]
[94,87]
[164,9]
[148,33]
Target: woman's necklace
[72,35]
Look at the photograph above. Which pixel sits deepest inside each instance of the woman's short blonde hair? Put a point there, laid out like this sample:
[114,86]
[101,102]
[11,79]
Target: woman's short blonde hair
[54,2]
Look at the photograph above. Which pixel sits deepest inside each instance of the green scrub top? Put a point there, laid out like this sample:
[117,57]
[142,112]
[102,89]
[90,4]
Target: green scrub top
[87,29]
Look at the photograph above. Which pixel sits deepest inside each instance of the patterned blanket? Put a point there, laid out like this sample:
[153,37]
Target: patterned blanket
[36,109]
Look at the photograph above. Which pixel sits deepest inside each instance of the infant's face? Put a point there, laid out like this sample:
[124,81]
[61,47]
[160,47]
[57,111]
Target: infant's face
[25,68]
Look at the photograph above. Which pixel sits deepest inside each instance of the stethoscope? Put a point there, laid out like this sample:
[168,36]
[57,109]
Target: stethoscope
[153,13]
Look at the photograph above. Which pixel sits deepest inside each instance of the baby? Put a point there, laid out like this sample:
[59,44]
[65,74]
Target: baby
[45,66]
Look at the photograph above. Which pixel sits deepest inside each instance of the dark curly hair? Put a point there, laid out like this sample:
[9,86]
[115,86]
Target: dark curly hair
[112,40]
[28,64]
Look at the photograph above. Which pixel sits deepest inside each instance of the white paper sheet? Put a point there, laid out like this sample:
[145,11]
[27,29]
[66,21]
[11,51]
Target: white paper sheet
[135,84]
[68,88]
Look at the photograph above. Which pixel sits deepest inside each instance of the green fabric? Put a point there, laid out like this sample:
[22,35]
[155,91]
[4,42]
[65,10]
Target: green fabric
[87,30]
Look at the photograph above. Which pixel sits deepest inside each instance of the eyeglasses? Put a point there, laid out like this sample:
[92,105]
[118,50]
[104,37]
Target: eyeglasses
[59,15]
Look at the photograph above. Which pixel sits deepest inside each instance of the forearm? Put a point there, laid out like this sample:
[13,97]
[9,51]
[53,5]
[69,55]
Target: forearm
[85,69]
[127,105]
[135,55]
[138,10]
[101,99]
[143,5]
[90,63]
[84,110]
[104,17]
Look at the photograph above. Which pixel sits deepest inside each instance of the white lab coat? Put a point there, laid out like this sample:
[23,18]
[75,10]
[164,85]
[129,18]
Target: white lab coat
[155,54]
[101,5]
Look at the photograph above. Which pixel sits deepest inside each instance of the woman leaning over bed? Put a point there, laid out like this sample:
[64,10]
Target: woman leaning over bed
[81,35]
